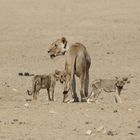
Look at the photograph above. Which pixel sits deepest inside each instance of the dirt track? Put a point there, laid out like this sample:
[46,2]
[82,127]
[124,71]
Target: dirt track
[111,31]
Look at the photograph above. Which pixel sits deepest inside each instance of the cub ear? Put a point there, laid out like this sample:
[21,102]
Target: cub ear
[116,78]
[128,82]
[125,78]
[57,72]
[63,40]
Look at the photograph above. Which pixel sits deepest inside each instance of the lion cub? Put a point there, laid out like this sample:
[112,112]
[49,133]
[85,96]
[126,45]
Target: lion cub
[46,82]
[108,85]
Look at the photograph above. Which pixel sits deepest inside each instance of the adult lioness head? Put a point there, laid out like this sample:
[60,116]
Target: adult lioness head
[59,47]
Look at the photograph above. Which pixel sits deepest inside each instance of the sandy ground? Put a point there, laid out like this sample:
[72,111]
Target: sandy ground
[111,31]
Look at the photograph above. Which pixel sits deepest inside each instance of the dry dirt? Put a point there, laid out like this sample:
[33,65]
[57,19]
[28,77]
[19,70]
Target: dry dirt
[111,31]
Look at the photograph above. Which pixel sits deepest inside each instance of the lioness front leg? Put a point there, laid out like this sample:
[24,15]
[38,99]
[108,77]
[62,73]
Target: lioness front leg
[65,92]
[66,88]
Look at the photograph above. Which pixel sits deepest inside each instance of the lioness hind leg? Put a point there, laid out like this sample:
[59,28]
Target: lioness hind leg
[73,86]
[83,97]
[86,84]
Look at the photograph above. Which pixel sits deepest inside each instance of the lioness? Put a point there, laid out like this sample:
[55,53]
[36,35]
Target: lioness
[108,85]
[77,63]
[45,82]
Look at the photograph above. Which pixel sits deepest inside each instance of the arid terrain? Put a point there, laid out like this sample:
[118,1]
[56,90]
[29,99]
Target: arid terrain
[110,29]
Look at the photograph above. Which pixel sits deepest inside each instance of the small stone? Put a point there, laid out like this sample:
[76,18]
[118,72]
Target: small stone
[26,105]
[131,133]
[115,111]
[15,120]
[129,109]
[101,128]
[75,129]
[138,127]
[88,132]
[88,122]
[52,112]
[20,122]
[14,89]
[102,108]
[111,133]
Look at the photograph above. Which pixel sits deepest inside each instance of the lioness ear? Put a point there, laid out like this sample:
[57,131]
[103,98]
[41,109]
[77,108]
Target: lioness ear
[63,40]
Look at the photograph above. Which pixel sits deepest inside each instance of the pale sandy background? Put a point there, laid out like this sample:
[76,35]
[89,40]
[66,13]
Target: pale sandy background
[111,31]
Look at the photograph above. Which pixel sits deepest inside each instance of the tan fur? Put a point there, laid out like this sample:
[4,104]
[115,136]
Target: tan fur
[107,85]
[47,82]
[77,63]
[60,75]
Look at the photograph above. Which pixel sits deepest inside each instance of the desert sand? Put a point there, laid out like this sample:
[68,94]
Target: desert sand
[110,29]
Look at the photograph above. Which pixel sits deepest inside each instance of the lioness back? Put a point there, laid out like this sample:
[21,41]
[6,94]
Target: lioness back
[79,56]
[78,49]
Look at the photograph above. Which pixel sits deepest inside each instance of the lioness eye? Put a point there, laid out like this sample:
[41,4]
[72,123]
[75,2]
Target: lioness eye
[55,45]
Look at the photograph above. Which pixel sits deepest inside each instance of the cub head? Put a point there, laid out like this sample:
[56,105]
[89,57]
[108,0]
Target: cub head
[57,48]
[60,76]
[120,82]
